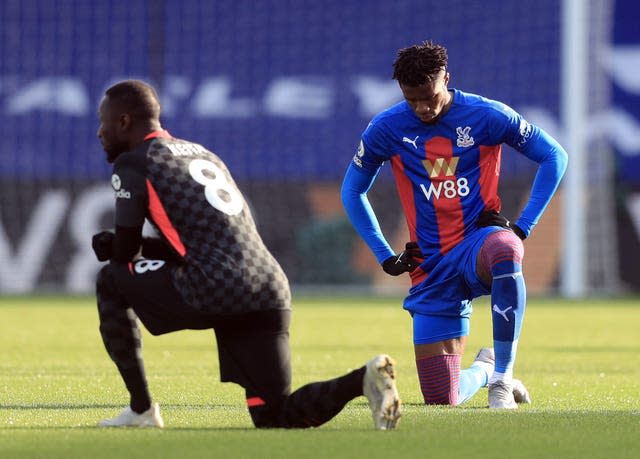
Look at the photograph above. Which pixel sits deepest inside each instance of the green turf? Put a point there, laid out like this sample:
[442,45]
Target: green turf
[579,359]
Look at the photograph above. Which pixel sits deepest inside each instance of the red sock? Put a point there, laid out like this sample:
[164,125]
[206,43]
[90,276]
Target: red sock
[439,377]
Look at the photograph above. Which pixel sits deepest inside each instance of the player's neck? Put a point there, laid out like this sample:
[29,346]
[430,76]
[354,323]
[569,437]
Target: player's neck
[449,103]
[153,126]
[148,128]
[142,133]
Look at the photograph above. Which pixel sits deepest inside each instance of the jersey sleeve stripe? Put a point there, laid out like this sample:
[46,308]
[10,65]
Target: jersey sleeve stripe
[161,219]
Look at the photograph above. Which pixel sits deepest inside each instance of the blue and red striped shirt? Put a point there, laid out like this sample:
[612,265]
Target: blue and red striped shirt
[447,173]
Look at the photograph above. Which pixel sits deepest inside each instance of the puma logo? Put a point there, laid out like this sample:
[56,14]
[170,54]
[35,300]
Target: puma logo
[412,142]
[502,312]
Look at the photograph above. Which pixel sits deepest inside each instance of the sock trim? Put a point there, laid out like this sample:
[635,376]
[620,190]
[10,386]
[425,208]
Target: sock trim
[255,401]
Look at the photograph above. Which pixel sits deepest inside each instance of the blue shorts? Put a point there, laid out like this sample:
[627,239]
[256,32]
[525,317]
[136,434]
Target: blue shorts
[431,329]
[441,304]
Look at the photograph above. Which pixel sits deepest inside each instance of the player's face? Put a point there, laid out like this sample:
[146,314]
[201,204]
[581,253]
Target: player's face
[112,129]
[429,101]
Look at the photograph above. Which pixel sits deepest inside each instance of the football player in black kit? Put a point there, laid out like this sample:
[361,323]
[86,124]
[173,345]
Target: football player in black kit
[208,269]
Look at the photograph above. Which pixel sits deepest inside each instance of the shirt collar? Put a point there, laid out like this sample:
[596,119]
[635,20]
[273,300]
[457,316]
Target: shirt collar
[161,133]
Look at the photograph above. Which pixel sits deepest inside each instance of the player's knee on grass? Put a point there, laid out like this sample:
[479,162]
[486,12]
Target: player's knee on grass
[263,417]
[266,415]
[289,412]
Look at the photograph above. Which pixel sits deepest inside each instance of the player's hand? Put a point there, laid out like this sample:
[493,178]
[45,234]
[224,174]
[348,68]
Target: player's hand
[406,262]
[495,218]
[412,250]
[102,244]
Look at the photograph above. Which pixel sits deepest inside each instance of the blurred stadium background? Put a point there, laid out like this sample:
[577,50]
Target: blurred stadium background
[281,90]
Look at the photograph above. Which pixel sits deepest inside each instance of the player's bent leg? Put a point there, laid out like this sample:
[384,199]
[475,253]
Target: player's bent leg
[121,338]
[501,256]
[145,291]
[443,383]
[254,353]
[316,403]
[438,360]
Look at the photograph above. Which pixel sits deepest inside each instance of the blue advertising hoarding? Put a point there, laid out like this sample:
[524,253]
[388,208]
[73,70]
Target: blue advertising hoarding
[282,91]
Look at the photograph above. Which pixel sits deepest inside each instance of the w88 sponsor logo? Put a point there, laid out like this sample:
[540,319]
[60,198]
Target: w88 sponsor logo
[448,189]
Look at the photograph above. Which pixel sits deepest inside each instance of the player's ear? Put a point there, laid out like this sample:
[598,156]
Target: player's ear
[124,121]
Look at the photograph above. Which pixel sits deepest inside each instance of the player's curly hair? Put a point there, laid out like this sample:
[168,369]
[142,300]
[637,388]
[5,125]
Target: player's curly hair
[137,98]
[419,64]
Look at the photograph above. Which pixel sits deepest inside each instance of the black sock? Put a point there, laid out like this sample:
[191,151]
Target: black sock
[135,381]
[316,403]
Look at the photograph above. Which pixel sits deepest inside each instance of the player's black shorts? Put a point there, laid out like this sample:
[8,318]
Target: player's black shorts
[253,347]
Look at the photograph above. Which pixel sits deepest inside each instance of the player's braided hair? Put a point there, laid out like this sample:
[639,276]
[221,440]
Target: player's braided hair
[137,98]
[419,64]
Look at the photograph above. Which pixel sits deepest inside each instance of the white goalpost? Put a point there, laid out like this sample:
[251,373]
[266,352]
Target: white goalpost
[590,260]
[574,99]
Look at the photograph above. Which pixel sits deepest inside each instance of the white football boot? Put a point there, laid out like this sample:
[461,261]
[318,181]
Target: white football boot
[501,396]
[500,393]
[520,393]
[379,386]
[129,418]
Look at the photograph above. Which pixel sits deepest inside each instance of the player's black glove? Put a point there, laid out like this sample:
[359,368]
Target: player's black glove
[412,250]
[495,218]
[407,261]
[102,244]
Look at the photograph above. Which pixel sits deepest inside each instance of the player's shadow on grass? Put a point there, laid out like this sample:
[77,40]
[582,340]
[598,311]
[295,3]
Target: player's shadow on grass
[59,406]
[89,406]
[175,406]
[444,407]
[136,429]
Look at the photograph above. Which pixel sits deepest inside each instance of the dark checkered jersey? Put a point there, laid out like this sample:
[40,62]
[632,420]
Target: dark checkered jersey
[188,194]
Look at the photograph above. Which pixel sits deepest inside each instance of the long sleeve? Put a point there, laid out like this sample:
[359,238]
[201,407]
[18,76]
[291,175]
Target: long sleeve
[355,186]
[553,159]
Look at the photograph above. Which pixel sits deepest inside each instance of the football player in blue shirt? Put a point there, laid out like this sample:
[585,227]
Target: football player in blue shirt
[444,147]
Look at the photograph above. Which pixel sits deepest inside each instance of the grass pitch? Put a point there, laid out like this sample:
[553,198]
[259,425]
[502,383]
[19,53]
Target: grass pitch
[580,361]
